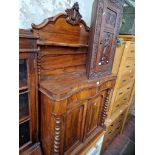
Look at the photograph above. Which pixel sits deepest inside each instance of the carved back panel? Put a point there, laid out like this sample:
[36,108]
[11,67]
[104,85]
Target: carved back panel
[106,18]
[63,42]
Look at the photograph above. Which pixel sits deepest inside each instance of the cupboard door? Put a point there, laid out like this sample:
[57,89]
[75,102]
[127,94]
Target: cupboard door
[106,19]
[93,115]
[74,126]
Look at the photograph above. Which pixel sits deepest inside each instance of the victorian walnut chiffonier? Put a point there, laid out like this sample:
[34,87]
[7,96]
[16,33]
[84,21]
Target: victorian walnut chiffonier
[28,115]
[73,108]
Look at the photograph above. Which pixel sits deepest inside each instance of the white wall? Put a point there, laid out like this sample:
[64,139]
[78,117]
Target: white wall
[35,11]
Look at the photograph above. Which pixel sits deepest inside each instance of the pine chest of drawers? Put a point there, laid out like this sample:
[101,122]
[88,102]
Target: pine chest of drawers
[124,67]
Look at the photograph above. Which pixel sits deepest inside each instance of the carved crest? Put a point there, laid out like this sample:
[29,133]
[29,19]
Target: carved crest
[73,16]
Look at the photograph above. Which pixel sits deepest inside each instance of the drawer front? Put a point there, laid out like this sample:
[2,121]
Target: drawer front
[124,93]
[129,65]
[118,104]
[81,95]
[114,129]
[130,53]
[125,78]
[118,122]
[111,135]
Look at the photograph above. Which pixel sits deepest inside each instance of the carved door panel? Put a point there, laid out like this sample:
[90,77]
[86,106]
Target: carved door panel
[93,115]
[104,29]
[74,126]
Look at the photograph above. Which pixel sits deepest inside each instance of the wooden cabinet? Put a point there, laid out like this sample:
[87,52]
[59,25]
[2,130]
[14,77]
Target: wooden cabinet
[105,24]
[123,92]
[68,127]
[28,129]
[73,108]
[26,96]
[125,71]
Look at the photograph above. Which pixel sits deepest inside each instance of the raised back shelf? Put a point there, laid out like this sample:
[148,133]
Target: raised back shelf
[62,44]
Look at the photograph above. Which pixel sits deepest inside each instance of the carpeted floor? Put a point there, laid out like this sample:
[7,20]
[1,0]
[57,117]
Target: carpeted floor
[124,144]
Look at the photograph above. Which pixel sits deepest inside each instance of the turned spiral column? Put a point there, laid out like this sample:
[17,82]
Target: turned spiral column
[105,108]
[57,137]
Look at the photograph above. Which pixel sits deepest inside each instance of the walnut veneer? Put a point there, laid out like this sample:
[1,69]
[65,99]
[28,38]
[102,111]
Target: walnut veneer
[73,108]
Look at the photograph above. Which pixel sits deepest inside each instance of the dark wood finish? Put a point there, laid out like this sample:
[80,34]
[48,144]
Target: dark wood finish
[28,98]
[105,24]
[72,15]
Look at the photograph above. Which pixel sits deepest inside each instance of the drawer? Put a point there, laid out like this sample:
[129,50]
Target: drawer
[130,53]
[129,65]
[118,122]
[110,136]
[124,92]
[114,129]
[117,105]
[125,78]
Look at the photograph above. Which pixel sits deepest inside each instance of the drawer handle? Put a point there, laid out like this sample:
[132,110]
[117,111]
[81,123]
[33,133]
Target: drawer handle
[127,66]
[120,93]
[118,127]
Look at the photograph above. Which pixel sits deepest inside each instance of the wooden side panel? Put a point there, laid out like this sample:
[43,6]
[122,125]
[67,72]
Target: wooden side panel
[52,126]
[117,59]
[46,125]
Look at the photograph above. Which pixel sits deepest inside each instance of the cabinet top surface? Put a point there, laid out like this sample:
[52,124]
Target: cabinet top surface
[63,86]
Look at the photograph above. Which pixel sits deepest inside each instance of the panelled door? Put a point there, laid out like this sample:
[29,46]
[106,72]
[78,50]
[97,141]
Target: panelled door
[93,115]
[74,126]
